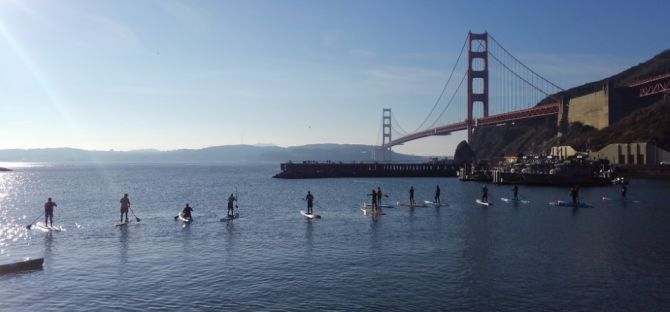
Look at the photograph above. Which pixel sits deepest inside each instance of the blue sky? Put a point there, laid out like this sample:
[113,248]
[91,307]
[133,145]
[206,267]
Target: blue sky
[187,74]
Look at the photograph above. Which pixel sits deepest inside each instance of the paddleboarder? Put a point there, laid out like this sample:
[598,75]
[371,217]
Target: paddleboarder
[411,195]
[310,202]
[125,205]
[624,189]
[574,193]
[374,199]
[186,212]
[379,196]
[49,212]
[515,192]
[437,195]
[485,194]
[231,201]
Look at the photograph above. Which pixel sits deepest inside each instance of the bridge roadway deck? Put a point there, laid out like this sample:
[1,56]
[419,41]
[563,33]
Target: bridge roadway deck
[524,114]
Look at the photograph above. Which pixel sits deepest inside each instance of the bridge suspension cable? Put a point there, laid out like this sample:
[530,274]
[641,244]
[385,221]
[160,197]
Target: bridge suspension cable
[444,89]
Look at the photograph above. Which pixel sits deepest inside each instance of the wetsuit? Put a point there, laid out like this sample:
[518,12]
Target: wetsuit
[515,191]
[231,208]
[485,194]
[624,189]
[49,212]
[411,195]
[310,203]
[125,204]
[437,195]
[186,212]
[574,193]
[374,199]
[379,196]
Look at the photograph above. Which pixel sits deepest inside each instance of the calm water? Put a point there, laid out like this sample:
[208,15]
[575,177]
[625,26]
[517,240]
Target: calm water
[462,257]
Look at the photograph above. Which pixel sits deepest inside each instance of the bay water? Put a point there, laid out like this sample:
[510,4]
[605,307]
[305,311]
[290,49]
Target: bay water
[460,256]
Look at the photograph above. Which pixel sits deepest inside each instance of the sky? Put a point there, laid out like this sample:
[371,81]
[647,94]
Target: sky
[167,74]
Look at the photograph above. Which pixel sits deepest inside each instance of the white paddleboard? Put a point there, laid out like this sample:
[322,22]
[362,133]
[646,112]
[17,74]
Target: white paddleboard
[366,205]
[228,218]
[415,205]
[479,201]
[185,220]
[560,203]
[367,211]
[45,228]
[512,200]
[430,203]
[122,223]
[310,215]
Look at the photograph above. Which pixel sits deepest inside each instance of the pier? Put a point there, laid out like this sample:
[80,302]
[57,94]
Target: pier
[310,170]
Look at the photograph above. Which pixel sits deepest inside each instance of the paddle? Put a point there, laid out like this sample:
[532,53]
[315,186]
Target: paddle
[31,223]
[136,218]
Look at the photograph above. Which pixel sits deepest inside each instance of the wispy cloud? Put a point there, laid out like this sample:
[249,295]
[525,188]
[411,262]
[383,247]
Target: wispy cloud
[573,69]
[405,74]
[186,14]
[362,53]
[112,33]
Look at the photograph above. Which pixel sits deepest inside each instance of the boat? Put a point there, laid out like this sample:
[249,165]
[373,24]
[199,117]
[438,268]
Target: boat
[26,265]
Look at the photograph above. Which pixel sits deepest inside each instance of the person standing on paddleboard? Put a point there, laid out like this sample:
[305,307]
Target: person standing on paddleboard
[125,205]
[379,197]
[374,199]
[411,195]
[49,212]
[574,193]
[437,195]
[186,212]
[485,194]
[515,192]
[624,189]
[310,202]
[231,201]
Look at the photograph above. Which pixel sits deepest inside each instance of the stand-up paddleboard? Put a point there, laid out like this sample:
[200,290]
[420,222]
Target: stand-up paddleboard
[560,203]
[605,198]
[483,203]
[434,204]
[120,224]
[366,205]
[415,205]
[45,228]
[512,200]
[185,220]
[228,218]
[310,215]
[367,211]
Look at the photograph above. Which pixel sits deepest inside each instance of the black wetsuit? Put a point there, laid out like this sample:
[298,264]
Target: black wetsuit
[515,191]
[374,200]
[411,195]
[186,212]
[125,204]
[310,203]
[231,207]
[437,195]
[49,212]
[574,193]
[485,194]
[624,189]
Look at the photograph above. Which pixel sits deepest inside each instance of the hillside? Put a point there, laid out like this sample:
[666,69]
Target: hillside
[650,123]
[227,153]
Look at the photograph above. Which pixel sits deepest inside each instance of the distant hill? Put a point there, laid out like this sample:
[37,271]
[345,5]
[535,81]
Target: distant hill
[650,123]
[226,153]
